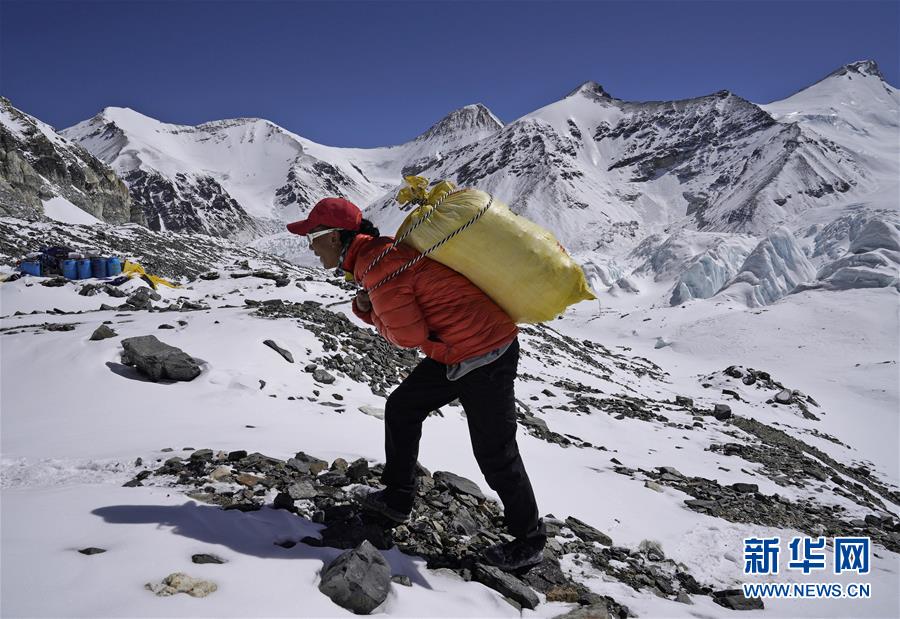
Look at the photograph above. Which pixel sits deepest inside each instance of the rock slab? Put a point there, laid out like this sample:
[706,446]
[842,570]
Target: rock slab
[506,584]
[358,580]
[158,360]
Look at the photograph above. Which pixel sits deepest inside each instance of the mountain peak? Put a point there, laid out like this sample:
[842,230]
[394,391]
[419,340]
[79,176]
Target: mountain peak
[591,89]
[474,117]
[866,68]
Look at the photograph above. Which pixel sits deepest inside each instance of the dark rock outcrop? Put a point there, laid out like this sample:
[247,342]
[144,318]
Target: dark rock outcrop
[158,360]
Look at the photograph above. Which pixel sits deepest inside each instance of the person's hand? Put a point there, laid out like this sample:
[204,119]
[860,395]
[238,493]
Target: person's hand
[363,302]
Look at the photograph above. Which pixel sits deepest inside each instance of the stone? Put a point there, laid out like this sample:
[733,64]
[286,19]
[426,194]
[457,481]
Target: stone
[700,503]
[506,584]
[735,600]
[372,411]
[586,532]
[158,360]
[784,396]
[220,472]
[179,582]
[59,326]
[358,580]
[458,484]
[306,465]
[322,376]
[204,455]
[205,558]
[401,580]
[653,486]
[671,470]
[57,281]
[142,298]
[101,333]
[281,351]
[358,470]
[301,490]
[734,371]
[165,326]
[722,412]
[333,478]
[652,550]
[246,479]
[684,401]
[745,488]
[92,551]
[530,421]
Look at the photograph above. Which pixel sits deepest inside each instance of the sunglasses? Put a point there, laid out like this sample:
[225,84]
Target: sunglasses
[314,235]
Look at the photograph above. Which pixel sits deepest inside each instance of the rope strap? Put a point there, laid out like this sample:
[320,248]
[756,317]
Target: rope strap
[407,233]
[431,249]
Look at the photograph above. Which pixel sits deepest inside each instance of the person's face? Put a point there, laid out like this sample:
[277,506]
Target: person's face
[327,247]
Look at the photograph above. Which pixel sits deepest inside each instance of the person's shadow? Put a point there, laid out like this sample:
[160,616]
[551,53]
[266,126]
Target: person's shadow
[263,533]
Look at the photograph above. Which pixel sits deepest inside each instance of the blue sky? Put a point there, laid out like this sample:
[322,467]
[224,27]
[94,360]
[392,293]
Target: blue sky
[378,73]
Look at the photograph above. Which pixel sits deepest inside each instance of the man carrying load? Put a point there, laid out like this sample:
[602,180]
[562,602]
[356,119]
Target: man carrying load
[471,353]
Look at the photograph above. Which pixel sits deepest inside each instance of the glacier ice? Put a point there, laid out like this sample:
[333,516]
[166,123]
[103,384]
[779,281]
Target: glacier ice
[772,270]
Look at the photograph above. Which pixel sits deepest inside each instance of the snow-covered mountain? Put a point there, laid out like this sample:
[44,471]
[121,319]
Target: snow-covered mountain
[847,122]
[604,173]
[718,177]
[40,167]
[246,177]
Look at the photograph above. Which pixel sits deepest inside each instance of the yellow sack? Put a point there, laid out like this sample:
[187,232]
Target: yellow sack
[133,269]
[521,266]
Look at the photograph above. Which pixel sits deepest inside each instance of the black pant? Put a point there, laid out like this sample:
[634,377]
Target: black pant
[488,398]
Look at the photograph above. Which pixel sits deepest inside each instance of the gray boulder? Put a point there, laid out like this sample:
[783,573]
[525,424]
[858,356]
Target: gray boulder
[784,396]
[506,584]
[458,484]
[102,332]
[158,360]
[358,580]
[722,412]
[322,376]
[735,600]
[587,532]
[142,298]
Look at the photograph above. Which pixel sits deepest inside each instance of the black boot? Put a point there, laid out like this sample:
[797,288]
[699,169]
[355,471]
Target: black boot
[388,504]
[517,554]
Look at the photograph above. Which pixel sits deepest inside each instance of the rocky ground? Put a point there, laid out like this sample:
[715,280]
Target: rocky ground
[572,393]
[452,521]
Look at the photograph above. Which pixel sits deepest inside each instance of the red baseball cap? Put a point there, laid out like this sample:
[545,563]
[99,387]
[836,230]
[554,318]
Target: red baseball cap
[331,212]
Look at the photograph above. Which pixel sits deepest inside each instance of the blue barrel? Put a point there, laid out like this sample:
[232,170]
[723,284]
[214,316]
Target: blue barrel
[69,268]
[84,268]
[31,268]
[113,266]
[98,267]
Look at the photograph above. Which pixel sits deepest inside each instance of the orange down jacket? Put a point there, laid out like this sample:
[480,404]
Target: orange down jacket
[429,306]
